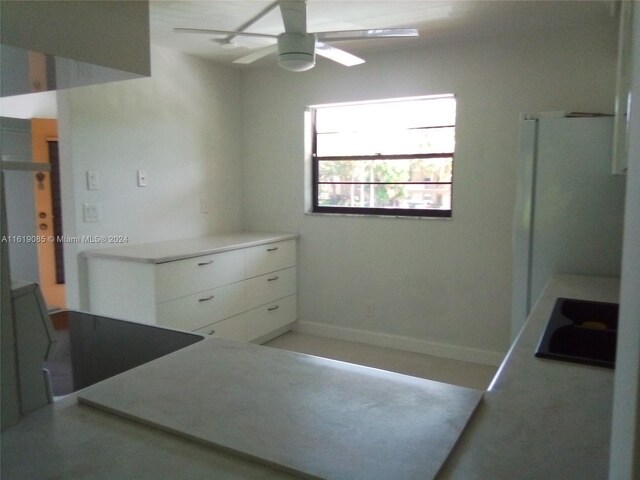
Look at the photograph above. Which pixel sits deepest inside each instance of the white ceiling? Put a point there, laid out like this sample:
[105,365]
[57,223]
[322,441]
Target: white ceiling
[436,20]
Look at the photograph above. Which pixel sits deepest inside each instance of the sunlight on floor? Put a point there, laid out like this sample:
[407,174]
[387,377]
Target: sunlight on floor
[455,372]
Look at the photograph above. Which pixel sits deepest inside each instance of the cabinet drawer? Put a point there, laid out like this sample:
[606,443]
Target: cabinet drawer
[270,257]
[234,328]
[196,311]
[183,277]
[265,319]
[270,287]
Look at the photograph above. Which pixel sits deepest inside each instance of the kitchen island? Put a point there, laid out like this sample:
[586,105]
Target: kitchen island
[540,419]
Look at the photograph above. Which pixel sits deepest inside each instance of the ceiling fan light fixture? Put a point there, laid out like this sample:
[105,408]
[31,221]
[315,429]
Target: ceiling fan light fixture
[296,51]
[296,62]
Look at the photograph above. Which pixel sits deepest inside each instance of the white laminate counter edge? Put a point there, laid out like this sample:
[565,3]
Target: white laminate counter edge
[542,418]
[602,289]
[171,250]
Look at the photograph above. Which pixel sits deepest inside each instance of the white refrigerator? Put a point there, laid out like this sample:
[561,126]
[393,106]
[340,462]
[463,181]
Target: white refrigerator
[569,208]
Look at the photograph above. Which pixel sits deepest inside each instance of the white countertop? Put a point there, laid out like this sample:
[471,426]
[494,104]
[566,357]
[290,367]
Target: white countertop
[542,419]
[314,416]
[170,250]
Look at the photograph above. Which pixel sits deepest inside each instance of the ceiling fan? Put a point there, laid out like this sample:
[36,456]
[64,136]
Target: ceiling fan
[296,47]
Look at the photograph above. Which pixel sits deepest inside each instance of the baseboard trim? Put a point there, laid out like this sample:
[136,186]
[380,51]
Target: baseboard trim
[271,335]
[465,354]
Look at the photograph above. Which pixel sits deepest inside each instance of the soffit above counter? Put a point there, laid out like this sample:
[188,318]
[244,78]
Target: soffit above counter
[62,44]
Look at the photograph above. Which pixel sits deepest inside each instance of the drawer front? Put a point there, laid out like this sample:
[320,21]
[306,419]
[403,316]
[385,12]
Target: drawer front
[184,277]
[196,311]
[270,257]
[266,319]
[272,286]
[234,328]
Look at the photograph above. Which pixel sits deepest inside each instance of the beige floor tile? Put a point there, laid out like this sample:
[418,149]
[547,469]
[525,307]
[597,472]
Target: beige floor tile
[455,372]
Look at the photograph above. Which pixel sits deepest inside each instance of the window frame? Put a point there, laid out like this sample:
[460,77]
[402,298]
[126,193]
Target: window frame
[376,211]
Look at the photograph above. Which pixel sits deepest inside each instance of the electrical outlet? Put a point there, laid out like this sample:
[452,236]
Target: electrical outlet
[91,212]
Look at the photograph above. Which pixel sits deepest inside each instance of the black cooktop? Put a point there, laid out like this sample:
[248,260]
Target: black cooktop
[581,331]
[94,348]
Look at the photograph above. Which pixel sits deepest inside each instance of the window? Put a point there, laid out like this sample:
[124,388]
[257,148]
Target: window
[390,157]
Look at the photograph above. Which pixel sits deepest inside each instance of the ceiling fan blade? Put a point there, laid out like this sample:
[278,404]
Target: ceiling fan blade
[259,16]
[366,34]
[252,57]
[222,32]
[294,15]
[337,55]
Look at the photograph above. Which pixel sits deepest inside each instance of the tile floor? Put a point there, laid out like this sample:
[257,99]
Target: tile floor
[455,372]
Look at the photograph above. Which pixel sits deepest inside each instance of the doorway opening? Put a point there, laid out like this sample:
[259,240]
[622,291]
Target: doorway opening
[48,212]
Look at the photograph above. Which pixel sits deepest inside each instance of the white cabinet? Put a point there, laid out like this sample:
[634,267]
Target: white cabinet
[271,257]
[234,328]
[195,311]
[271,317]
[266,288]
[182,277]
[242,291]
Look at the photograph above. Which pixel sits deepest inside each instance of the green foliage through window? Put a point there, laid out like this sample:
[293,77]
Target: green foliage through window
[393,157]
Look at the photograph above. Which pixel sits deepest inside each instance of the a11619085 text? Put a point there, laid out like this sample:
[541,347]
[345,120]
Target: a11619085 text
[64,239]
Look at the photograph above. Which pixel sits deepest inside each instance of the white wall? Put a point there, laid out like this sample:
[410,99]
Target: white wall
[182,126]
[625,441]
[435,285]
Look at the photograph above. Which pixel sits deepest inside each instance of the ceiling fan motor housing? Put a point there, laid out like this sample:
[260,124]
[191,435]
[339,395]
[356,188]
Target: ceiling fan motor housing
[297,51]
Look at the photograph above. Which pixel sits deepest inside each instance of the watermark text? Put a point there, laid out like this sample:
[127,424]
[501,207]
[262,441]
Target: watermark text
[64,239]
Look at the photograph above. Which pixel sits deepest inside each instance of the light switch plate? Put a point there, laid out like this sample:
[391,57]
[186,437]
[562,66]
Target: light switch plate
[91,212]
[93,180]
[142,178]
